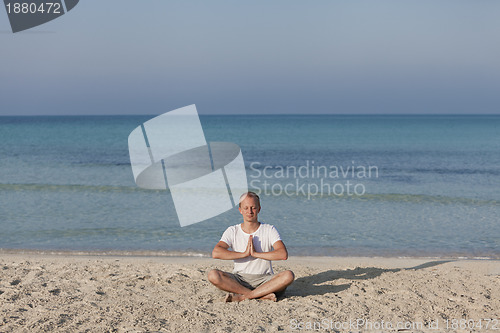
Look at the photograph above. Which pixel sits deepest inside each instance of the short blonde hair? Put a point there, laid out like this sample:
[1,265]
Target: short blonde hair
[251,195]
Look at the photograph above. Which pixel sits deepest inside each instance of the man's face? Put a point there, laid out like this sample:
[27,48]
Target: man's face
[249,209]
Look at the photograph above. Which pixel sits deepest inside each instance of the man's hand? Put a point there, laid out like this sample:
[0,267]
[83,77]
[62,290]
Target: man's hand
[249,250]
[279,252]
[221,251]
[250,244]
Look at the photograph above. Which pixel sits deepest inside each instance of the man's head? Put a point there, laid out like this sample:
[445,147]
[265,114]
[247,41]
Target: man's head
[249,206]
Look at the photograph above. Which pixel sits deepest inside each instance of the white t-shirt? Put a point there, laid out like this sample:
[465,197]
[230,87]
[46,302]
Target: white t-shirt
[263,240]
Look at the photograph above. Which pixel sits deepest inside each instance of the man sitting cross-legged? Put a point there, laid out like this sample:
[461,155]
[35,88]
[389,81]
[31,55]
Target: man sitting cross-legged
[254,245]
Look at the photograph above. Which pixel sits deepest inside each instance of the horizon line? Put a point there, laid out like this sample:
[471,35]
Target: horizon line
[260,114]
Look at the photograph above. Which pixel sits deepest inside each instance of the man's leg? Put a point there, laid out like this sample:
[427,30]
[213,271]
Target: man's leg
[224,282]
[266,291]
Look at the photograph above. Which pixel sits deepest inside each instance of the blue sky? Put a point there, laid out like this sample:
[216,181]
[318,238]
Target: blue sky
[241,57]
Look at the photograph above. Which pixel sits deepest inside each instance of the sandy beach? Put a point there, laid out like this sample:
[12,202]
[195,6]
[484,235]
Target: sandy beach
[81,293]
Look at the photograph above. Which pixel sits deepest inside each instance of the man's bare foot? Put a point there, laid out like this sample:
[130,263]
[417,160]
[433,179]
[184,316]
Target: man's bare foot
[231,297]
[270,297]
[234,298]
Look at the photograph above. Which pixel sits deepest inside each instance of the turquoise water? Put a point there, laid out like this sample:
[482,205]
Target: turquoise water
[66,184]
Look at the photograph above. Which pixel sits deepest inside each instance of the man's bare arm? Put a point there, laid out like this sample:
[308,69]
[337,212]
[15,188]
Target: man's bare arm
[279,252]
[221,251]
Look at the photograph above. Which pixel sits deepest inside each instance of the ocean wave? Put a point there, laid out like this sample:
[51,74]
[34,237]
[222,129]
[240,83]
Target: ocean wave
[398,197]
[297,252]
[386,171]
[113,253]
[373,197]
[72,188]
[458,171]
[424,198]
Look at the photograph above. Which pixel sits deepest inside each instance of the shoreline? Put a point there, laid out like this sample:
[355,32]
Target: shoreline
[490,266]
[200,254]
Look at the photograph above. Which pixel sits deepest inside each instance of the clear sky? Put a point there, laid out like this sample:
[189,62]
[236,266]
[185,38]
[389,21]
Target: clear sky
[259,56]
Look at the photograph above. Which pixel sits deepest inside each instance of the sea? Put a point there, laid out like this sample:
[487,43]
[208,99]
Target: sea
[333,185]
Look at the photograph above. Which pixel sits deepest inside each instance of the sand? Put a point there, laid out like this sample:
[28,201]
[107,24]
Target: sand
[71,293]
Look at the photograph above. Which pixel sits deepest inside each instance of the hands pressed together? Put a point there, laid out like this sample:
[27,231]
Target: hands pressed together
[221,251]
[250,250]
